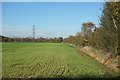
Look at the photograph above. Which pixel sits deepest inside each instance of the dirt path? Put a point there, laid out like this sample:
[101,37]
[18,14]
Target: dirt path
[108,71]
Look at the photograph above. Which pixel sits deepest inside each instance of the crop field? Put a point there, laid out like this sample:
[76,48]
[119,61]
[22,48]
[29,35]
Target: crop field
[46,60]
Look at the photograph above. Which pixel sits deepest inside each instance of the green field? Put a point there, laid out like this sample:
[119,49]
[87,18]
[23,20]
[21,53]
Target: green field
[43,60]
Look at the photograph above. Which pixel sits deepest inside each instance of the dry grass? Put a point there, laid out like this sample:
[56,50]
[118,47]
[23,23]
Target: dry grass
[105,58]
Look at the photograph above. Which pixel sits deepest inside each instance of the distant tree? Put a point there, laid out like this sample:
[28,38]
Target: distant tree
[87,29]
[4,39]
[79,40]
[60,39]
[51,40]
[55,40]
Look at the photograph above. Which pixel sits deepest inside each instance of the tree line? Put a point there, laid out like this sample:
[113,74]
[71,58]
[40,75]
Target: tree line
[27,39]
[106,36]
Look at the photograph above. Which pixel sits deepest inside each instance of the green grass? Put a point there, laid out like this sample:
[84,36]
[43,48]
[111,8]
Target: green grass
[43,60]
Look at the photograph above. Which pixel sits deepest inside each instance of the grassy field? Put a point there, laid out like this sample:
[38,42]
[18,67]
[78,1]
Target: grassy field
[43,60]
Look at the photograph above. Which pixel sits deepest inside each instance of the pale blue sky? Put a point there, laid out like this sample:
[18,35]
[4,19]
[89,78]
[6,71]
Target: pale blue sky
[52,19]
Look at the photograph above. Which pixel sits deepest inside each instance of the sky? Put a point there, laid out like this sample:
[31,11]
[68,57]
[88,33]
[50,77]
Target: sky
[51,19]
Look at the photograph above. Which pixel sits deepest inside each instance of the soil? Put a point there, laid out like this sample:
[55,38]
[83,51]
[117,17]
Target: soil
[98,61]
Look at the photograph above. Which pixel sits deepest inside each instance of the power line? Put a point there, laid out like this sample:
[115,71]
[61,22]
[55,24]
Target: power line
[33,32]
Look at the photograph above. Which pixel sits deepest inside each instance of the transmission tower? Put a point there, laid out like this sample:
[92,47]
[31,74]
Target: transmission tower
[33,32]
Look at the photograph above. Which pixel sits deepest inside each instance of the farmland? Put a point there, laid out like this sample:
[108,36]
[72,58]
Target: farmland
[46,60]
